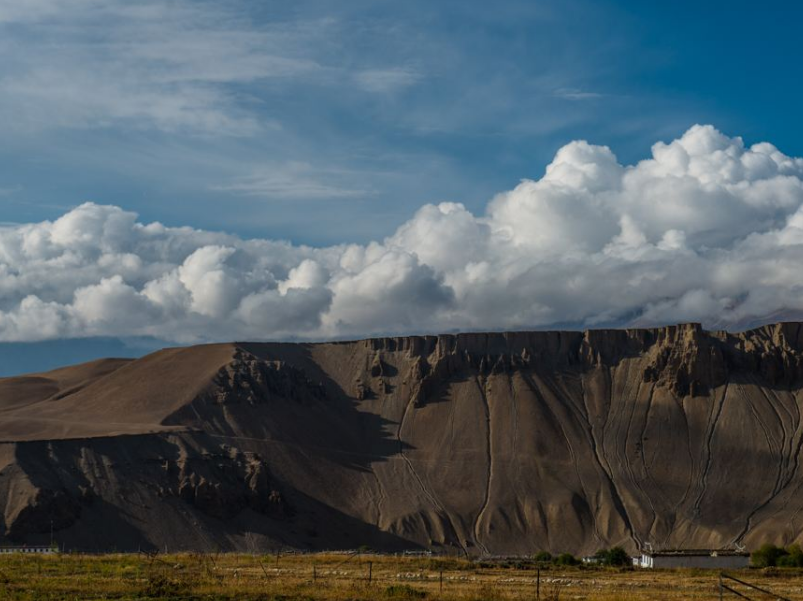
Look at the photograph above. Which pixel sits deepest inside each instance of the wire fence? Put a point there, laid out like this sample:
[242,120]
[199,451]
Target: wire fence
[363,576]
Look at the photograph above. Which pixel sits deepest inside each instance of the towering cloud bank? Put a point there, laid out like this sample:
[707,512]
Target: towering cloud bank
[705,230]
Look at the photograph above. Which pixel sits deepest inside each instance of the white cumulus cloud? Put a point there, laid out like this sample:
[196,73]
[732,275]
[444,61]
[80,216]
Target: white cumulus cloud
[706,229]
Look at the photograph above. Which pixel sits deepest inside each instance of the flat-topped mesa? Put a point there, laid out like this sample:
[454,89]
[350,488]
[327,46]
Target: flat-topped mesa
[684,358]
[555,344]
[507,443]
[592,347]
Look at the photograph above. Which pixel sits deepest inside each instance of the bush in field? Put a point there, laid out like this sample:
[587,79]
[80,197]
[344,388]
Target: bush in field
[791,557]
[615,556]
[769,555]
[566,559]
[795,556]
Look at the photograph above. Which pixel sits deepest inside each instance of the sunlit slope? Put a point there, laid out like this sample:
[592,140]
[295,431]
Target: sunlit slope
[107,397]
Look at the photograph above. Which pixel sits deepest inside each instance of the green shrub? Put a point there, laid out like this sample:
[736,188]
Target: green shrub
[791,557]
[615,556]
[794,557]
[768,555]
[786,561]
[566,559]
[543,557]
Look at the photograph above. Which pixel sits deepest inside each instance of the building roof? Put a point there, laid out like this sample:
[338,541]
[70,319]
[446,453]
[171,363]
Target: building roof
[696,553]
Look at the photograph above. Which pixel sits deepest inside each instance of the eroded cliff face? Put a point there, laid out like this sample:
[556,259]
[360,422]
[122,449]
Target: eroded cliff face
[470,443]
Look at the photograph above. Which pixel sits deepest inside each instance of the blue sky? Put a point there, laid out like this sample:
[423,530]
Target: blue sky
[323,122]
[185,171]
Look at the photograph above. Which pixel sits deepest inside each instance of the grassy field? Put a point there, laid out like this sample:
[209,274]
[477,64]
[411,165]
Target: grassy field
[335,577]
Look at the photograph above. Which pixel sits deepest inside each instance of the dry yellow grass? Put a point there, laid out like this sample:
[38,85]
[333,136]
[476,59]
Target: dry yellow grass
[335,577]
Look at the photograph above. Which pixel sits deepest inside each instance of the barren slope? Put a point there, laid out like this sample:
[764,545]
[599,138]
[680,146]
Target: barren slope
[477,443]
[108,397]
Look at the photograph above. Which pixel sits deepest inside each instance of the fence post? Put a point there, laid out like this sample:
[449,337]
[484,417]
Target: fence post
[314,573]
[370,571]
[538,584]
[441,587]
[720,586]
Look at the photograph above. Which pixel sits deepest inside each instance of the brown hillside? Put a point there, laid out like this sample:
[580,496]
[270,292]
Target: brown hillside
[472,443]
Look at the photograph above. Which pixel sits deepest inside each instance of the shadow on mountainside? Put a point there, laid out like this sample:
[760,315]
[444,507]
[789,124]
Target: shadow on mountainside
[277,395]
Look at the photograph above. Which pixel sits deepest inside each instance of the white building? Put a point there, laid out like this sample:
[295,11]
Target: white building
[693,558]
[26,549]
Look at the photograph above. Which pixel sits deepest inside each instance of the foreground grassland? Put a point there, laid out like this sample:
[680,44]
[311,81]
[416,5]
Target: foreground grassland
[335,577]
